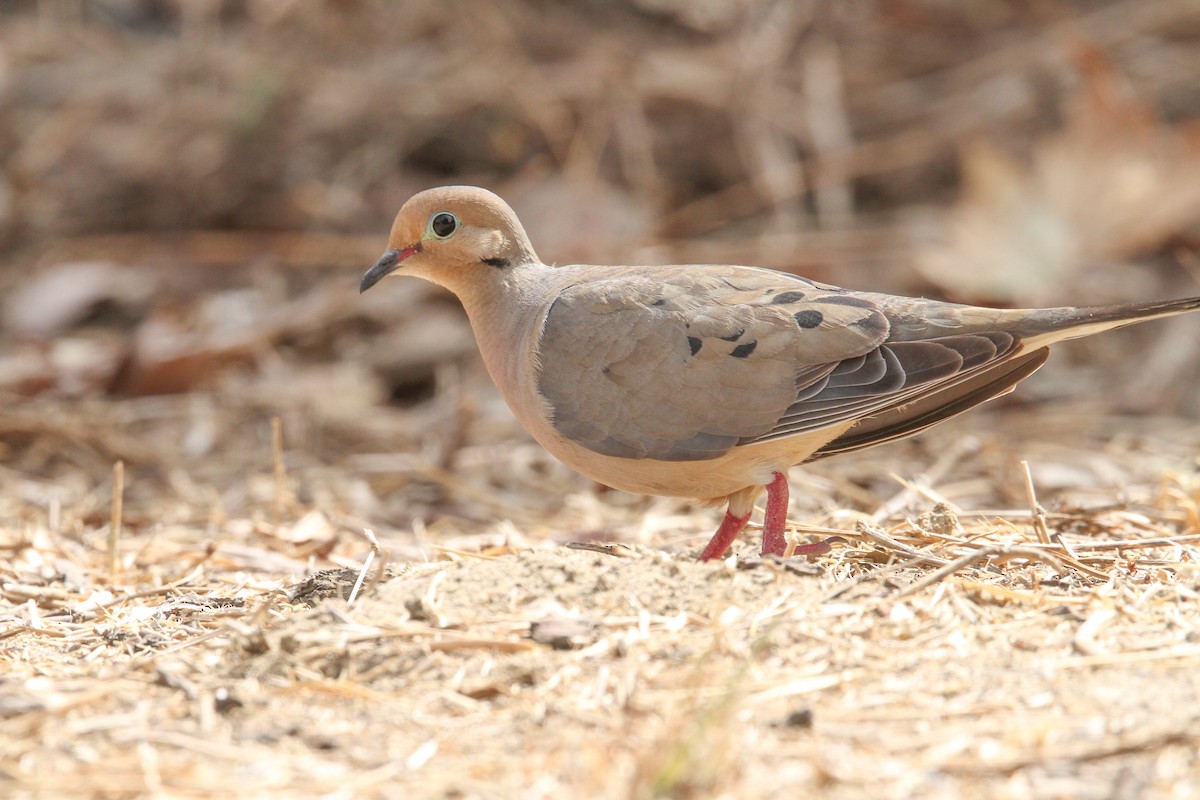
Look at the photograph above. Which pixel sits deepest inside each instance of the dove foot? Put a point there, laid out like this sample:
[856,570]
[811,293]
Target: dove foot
[731,526]
[774,543]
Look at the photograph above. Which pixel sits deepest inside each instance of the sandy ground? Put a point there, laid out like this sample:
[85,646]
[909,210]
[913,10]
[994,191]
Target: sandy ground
[943,649]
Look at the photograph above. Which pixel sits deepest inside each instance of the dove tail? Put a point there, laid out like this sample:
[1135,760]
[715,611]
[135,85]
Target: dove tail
[1059,324]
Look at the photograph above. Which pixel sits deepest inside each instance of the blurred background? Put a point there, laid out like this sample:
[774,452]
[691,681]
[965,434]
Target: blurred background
[190,190]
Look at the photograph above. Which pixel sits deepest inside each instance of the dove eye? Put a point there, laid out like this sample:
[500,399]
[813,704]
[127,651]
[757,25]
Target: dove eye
[443,225]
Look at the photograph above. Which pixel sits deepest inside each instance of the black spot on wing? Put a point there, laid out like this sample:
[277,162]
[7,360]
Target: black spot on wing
[743,350]
[733,337]
[695,344]
[809,318]
[659,302]
[875,319]
[787,297]
[848,300]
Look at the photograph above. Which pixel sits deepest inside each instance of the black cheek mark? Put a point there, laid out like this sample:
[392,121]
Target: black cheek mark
[498,263]
[695,344]
[743,350]
[809,318]
[733,337]
[787,297]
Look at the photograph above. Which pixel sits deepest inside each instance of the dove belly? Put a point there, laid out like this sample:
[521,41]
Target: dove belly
[710,479]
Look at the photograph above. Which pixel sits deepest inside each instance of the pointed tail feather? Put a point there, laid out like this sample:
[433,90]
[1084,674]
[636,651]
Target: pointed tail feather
[1049,325]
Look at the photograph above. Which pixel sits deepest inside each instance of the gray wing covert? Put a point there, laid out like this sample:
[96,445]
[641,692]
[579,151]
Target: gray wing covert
[685,365]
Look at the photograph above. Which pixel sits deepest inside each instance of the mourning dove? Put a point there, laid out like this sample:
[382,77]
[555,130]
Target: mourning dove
[711,381]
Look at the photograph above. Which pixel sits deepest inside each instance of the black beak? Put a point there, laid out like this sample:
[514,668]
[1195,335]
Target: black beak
[388,263]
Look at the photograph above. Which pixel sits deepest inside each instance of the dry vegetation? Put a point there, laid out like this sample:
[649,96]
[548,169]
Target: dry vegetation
[261,536]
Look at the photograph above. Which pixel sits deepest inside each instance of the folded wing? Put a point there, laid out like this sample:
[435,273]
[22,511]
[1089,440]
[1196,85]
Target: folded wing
[684,365]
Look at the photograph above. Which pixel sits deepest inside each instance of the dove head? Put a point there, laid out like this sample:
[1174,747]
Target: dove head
[451,235]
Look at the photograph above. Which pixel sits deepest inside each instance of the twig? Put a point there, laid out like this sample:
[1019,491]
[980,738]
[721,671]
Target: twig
[277,458]
[1073,562]
[982,554]
[1039,513]
[114,526]
[1135,544]
[868,531]
[606,548]
[362,573]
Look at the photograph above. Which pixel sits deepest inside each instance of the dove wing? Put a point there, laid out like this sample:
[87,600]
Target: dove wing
[685,364]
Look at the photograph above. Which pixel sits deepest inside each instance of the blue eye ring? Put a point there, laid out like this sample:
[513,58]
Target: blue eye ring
[442,225]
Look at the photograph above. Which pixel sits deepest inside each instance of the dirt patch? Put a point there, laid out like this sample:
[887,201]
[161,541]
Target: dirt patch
[626,670]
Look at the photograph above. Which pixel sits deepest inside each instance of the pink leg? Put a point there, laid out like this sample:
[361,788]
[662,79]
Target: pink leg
[731,526]
[774,542]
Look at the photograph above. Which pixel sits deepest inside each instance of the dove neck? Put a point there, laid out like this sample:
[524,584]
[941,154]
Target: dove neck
[505,313]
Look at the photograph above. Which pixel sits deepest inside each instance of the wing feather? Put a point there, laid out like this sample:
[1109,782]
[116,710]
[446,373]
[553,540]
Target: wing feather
[686,364]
